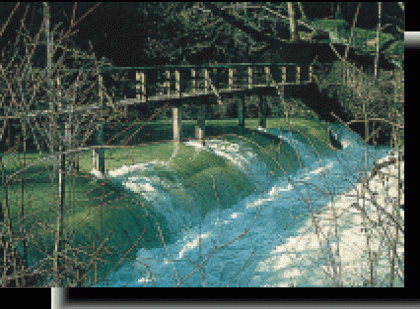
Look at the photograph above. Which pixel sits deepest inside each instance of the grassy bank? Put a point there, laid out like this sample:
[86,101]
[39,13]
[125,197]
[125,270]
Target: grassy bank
[98,211]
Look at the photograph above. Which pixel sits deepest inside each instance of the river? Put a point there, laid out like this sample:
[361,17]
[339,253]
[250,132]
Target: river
[269,238]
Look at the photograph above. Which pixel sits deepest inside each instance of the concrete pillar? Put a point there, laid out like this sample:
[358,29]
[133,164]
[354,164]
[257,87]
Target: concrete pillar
[200,127]
[241,111]
[262,112]
[176,123]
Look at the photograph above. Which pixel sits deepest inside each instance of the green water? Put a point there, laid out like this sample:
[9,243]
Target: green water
[98,210]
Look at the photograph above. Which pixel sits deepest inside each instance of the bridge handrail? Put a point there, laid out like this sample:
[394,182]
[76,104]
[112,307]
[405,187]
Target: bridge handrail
[173,67]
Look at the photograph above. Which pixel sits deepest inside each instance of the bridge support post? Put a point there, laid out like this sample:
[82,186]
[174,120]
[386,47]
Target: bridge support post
[241,111]
[262,112]
[201,122]
[176,123]
[98,153]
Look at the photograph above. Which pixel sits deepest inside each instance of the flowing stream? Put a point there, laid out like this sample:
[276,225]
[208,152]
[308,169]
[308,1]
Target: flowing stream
[267,238]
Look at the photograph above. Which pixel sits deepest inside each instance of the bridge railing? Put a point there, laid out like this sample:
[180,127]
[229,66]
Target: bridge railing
[114,84]
[152,83]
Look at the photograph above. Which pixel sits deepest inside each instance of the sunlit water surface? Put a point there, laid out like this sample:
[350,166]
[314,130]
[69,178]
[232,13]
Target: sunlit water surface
[266,239]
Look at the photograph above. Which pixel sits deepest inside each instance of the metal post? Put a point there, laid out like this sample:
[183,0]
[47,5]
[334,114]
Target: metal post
[298,75]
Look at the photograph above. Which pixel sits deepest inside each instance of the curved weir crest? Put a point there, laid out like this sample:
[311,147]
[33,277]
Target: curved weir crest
[241,156]
[278,247]
[143,179]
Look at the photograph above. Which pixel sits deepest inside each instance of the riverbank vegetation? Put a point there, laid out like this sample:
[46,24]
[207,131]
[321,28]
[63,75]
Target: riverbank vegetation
[61,226]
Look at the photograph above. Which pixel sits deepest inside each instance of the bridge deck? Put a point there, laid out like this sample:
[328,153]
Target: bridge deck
[176,98]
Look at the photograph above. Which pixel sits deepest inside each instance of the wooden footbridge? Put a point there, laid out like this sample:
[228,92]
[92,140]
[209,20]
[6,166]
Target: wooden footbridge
[201,85]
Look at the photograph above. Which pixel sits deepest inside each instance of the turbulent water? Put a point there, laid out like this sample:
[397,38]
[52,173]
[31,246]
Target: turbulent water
[268,238]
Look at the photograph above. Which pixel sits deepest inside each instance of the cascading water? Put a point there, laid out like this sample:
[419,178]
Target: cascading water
[304,151]
[241,156]
[265,239]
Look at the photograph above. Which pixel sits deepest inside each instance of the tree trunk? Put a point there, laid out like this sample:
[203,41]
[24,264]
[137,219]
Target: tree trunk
[293,32]
[377,39]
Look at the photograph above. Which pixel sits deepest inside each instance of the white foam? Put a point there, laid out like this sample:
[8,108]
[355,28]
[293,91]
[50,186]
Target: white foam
[271,239]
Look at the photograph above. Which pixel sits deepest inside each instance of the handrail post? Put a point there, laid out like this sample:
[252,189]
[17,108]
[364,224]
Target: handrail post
[141,87]
[206,81]
[283,75]
[250,81]
[267,76]
[194,81]
[177,83]
[138,86]
[168,82]
[310,73]
[230,79]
